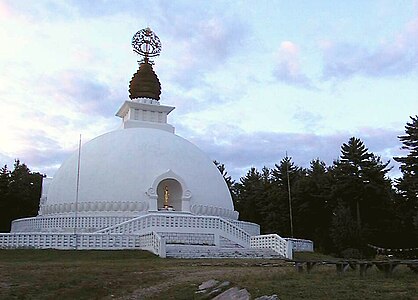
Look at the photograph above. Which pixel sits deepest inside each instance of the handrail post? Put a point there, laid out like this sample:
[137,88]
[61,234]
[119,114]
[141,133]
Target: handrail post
[289,249]
[163,252]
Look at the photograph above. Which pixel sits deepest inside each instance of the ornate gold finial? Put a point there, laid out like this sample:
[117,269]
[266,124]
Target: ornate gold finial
[147,44]
[166,196]
[145,83]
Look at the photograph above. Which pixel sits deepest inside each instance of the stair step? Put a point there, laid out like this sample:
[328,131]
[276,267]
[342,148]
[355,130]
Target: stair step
[193,251]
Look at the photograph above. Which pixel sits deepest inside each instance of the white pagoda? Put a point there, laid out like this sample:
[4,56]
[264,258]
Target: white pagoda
[143,187]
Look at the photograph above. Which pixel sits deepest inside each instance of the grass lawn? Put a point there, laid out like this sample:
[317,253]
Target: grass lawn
[53,274]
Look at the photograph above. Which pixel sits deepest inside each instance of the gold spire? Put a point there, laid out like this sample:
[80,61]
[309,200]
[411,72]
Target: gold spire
[144,82]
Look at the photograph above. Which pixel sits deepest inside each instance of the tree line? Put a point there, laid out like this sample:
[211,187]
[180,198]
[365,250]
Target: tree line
[345,208]
[20,191]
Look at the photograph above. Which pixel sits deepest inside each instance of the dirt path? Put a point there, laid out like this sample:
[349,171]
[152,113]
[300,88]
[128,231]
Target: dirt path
[203,271]
[193,276]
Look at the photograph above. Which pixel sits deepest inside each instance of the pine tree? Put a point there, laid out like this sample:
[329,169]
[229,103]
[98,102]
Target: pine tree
[360,183]
[358,172]
[278,212]
[4,192]
[21,199]
[313,213]
[344,232]
[407,185]
[228,179]
[249,192]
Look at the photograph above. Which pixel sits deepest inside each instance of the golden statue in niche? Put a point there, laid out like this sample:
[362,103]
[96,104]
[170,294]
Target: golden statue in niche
[166,196]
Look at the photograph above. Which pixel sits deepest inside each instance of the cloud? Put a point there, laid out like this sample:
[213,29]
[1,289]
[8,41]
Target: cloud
[36,10]
[51,140]
[39,152]
[194,101]
[43,150]
[309,120]
[240,150]
[288,68]
[6,160]
[202,41]
[60,106]
[49,10]
[197,39]
[82,91]
[5,11]
[392,58]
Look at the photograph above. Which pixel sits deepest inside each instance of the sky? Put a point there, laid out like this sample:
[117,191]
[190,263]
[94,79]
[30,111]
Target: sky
[250,80]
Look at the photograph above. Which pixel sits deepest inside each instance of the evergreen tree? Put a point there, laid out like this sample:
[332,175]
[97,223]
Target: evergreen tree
[228,179]
[264,200]
[360,172]
[277,211]
[407,185]
[360,183]
[313,213]
[345,234]
[19,195]
[249,192]
[4,192]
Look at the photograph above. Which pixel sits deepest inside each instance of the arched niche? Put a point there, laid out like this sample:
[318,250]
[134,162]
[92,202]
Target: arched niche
[171,189]
[180,195]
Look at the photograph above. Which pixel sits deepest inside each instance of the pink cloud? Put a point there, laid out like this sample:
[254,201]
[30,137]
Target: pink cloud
[5,11]
[289,58]
[288,68]
[411,32]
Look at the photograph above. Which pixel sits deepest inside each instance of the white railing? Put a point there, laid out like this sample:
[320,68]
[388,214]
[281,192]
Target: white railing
[69,241]
[153,243]
[251,228]
[301,245]
[65,223]
[149,241]
[234,233]
[274,242]
[170,222]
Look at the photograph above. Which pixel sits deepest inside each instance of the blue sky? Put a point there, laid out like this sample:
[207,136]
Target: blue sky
[250,79]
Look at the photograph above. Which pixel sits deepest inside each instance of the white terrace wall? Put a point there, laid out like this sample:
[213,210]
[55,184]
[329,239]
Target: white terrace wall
[92,224]
[301,245]
[251,228]
[65,223]
[150,232]
[274,242]
[150,241]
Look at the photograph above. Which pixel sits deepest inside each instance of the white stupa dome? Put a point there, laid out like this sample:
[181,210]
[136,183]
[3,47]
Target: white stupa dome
[143,167]
[124,172]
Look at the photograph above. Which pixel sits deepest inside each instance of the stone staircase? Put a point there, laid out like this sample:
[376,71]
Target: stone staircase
[225,243]
[195,251]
